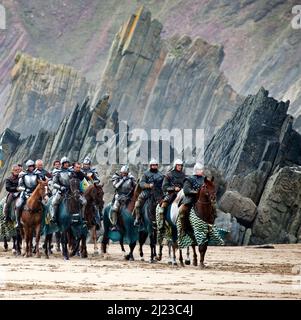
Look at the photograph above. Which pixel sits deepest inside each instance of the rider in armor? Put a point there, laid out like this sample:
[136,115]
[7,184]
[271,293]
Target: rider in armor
[191,187]
[124,184]
[172,184]
[150,183]
[27,184]
[11,186]
[90,173]
[61,184]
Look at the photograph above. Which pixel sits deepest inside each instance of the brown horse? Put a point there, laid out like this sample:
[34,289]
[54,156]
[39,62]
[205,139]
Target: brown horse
[94,196]
[31,218]
[202,219]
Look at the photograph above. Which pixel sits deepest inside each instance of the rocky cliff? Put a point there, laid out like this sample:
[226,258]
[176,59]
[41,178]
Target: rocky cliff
[259,154]
[256,33]
[166,84]
[41,95]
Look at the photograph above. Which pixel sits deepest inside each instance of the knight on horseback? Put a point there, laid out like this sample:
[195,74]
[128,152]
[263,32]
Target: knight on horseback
[61,184]
[124,183]
[90,173]
[191,187]
[27,184]
[150,183]
[43,173]
[11,186]
[172,184]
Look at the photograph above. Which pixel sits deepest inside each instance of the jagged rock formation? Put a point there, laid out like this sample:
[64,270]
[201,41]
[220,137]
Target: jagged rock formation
[279,211]
[41,95]
[257,151]
[166,84]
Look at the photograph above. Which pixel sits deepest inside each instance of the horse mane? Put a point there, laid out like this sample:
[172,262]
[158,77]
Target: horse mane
[35,196]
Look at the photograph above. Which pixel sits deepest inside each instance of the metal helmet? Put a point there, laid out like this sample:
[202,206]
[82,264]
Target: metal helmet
[153,161]
[177,162]
[29,163]
[125,169]
[64,159]
[197,167]
[87,160]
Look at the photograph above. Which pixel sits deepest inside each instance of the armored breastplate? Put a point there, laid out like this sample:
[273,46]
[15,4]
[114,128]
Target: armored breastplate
[126,187]
[64,178]
[30,181]
[177,179]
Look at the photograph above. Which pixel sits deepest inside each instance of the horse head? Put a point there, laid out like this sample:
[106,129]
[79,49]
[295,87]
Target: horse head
[95,194]
[208,190]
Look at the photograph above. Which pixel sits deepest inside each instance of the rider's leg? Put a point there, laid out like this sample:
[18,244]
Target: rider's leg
[55,204]
[162,213]
[19,207]
[7,207]
[114,214]
[138,207]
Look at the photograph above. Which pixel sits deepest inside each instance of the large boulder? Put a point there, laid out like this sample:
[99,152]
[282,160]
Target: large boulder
[279,211]
[244,209]
[236,231]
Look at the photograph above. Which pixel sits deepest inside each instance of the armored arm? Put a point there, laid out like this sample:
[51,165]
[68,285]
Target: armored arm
[144,183]
[117,181]
[56,182]
[188,189]
[167,185]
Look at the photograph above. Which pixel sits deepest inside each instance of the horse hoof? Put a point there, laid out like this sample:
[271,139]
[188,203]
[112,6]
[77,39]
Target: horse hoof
[174,264]
[101,254]
[152,261]
[38,256]
[131,258]
[187,262]
[182,264]
[159,258]
[66,258]
[169,263]
[127,257]
[202,266]
[142,259]
[195,263]
[96,253]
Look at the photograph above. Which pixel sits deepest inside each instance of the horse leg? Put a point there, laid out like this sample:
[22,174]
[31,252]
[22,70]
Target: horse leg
[14,250]
[84,253]
[130,256]
[38,236]
[187,260]
[142,239]
[202,250]
[160,252]
[195,257]
[58,241]
[49,240]
[19,242]
[64,245]
[94,238]
[174,258]
[5,244]
[181,258]
[152,247]
[169,253]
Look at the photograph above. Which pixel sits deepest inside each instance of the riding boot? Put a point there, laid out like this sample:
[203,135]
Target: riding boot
[137,213]
[114,217]
[54,218]
[18,217]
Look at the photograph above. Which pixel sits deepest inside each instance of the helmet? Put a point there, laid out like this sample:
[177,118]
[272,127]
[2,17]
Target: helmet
[87,160]
[153,161]
[124,169]
[29,163]
[197,167]
[64,159]
[178,162]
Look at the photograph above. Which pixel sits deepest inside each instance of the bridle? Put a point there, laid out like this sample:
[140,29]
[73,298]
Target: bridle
[207,193]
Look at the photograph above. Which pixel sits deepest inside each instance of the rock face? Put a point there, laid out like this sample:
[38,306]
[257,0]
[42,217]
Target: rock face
[279,211]
[41,95]
[240,207]
[156,83]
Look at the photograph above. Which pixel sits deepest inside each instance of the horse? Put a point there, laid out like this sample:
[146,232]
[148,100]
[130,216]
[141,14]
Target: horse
[94,196]
[125,221]
[149,225]
[202,217]
[31,218]
[170,231]
[8,230]
[70,222]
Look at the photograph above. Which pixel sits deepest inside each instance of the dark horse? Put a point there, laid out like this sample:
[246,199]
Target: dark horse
[94,196]
[125,221]
[149,225]
[31,218]
[202,218]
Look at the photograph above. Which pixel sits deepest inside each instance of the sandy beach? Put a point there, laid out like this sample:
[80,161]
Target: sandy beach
[231,273]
